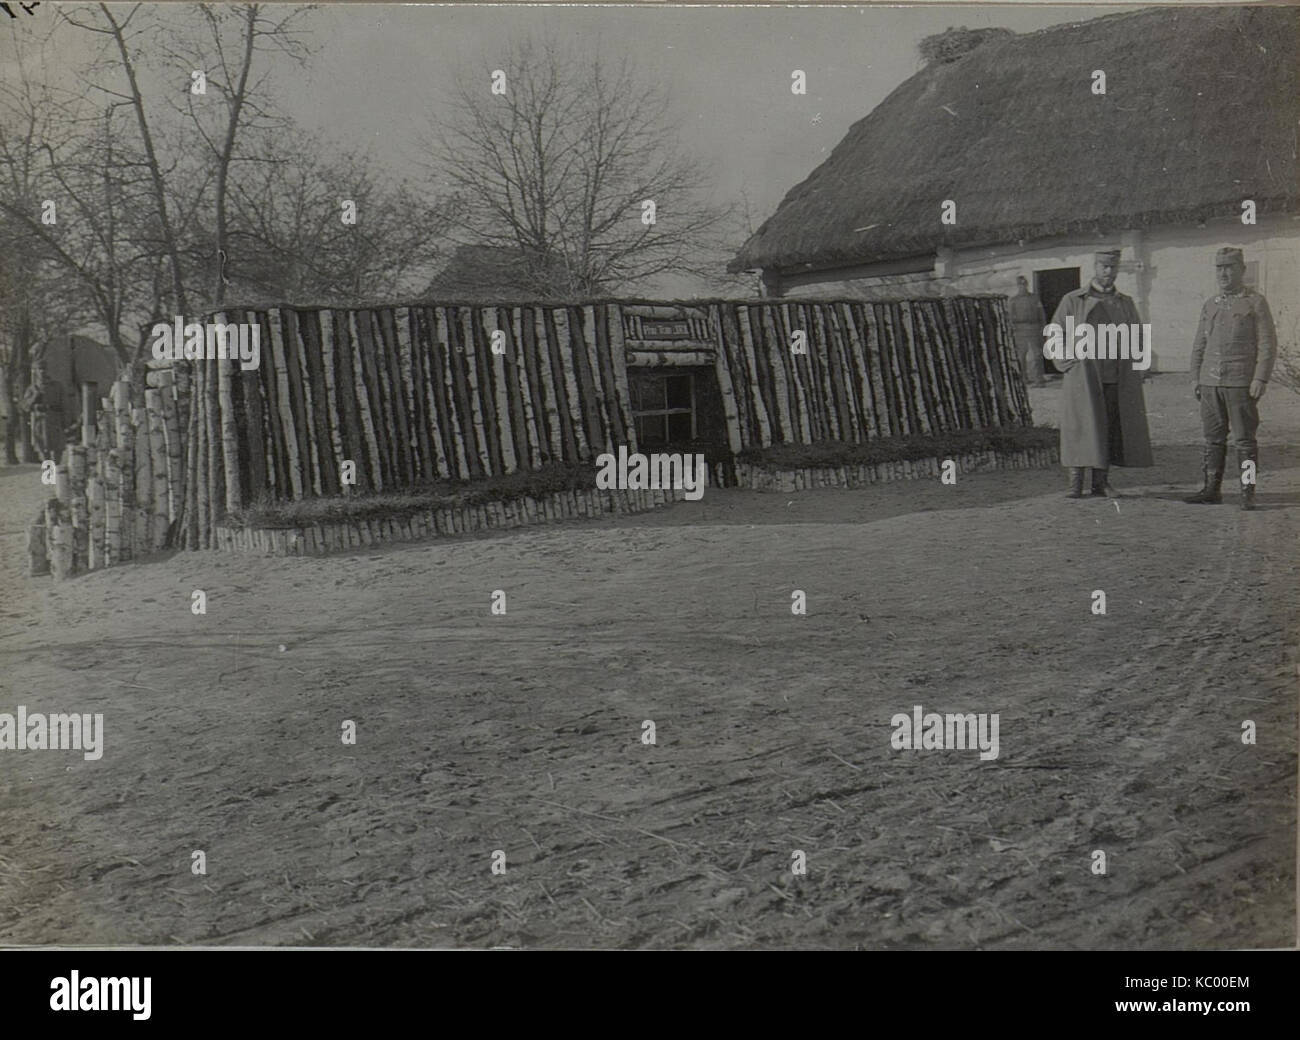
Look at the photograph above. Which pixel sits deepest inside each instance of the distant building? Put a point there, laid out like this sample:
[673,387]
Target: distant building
[490,274]
[54,397]
[1199,116]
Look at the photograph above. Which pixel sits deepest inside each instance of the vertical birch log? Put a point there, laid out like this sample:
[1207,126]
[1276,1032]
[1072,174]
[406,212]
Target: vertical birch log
[459,387]
[476,400]
[216,468]
[286,423]
[761,384]
[255,467]
[823,396]
[393,324]
[801,380]
[160,499]
[95,505]
[749,402]
[921,316]
[564,348]
[727,388]
[777,358]
[942,354]
[113,510]
[351,434]
[481,371]
[616,432]
[144,484]
[87,414]
[928,353]
[175,447]
[899,368]
[558,436]
[916,354]
[534,366]
[38,561]
[298,400]
[320,424]
[203,487]
[803,393]
[140,489]
[845,424]
[434,401]
[443,343]
[884,379]
[188,519]
[229,435]
[121,397]
[411,338]
[330,340]
[857,366]
[501,378]
[527,390]
[582,334]
[61,486]
[382,405]
[809,371]
[369,401]
[80,512]
[60,549]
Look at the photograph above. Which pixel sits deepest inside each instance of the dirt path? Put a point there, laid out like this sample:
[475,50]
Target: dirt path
[521,733]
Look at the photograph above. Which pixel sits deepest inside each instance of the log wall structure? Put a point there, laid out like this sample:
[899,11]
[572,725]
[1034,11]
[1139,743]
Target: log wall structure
[118,494]
[412,393]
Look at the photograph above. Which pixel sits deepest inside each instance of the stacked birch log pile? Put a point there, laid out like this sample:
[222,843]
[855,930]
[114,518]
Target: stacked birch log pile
[116,494]
[408,394]
[420,392]
[871,370]
[413,393]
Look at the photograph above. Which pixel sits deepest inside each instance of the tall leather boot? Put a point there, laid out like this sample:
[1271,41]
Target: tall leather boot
[1247,490]
[1076,482]
[1100,485]
[1212,469]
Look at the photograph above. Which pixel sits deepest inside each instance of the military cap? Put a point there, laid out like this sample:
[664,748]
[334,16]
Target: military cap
[1107,254]
[1228,255]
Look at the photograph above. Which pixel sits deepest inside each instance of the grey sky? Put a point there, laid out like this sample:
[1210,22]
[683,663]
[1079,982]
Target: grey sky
[380,70]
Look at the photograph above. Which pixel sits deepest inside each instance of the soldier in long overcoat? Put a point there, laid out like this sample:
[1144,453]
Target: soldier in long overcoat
[1103,414]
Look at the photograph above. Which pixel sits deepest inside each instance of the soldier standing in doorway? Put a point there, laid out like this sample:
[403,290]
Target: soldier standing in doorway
[1027,321]
[1232,358]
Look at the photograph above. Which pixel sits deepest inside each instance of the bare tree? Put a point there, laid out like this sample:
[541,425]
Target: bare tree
[78,197]
[228,46]
[67,219]
[104,22]
[561,164]
[288,230]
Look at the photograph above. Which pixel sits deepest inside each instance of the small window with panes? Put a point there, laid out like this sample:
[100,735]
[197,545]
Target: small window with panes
[663,407]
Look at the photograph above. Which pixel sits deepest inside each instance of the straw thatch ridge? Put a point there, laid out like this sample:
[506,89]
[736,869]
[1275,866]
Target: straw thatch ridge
[1200,112]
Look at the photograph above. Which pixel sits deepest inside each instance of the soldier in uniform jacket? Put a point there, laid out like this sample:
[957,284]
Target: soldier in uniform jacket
[1232,358]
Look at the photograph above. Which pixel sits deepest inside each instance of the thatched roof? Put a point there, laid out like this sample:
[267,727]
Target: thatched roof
[1200,112]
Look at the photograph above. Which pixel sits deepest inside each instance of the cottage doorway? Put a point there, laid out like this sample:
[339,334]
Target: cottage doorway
[678,408]
[1051,285]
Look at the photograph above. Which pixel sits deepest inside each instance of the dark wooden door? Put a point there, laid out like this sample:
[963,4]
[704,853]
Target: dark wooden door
[1051,285]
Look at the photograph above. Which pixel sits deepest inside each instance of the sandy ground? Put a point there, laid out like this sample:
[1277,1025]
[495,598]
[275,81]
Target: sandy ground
[522,732]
